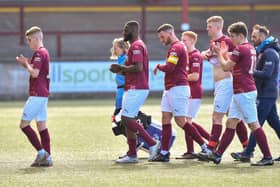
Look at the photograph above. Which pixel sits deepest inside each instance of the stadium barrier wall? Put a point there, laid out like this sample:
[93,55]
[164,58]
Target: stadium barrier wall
[80,78]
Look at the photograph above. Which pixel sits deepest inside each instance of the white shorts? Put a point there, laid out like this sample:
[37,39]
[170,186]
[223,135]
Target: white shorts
[193,107]
[132,101]
[176,100]
[35,108]
[243,106]
[223,95]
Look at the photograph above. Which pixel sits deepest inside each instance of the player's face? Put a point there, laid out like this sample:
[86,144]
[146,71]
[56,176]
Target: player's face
[32,41]
[164,37]
[127,33]
[235,38]
[117,49]
[212,28]
[187,41]
[255,38]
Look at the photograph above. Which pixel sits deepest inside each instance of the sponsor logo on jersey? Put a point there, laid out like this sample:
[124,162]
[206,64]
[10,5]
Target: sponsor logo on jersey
[253,52]
[196,64]
[136,52]
[37,59]
[269,63]
[235,53]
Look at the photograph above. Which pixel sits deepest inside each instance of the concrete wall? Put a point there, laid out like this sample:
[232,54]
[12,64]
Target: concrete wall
[97,46]
[14,81]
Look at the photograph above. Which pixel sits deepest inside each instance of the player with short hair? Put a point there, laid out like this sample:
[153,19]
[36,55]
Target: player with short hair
[266,79]
[195,67]
[36,105]
[223,83]
[136,71]
[241,62]
[176,93]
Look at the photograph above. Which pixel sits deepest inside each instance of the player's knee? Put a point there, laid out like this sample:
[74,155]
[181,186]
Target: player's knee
[217,117]
[166,119]
[254,126]
[232,123]
[23,124]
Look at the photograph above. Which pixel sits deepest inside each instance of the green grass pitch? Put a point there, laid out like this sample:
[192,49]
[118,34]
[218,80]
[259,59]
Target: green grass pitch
[84,150]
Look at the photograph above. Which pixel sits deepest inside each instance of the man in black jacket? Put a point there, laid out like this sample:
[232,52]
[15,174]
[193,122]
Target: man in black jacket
[266,79]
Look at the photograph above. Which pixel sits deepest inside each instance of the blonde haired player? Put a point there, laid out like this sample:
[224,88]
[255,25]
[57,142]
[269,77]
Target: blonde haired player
[241,63]
[223,83]
[195,67]
[36,105]
[118,52]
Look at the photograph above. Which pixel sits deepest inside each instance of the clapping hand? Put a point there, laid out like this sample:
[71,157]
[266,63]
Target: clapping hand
[221,48]
[22,60]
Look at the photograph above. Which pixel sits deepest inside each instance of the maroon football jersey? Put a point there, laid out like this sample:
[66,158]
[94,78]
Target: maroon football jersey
[175,67]
[244,56]
[195,66]
[40,86]
[213,57]
[137,53]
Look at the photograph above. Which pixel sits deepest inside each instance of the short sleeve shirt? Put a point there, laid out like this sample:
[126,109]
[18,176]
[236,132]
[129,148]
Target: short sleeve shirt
[40,86]
[213,58]
[137,53]
[195,66]
[176,55]
[244,56]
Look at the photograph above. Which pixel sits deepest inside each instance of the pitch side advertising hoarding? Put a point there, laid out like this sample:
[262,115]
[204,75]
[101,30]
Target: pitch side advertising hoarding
[96,77]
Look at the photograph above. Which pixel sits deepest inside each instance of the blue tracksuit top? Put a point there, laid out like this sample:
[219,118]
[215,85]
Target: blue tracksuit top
[267,68]
[120,78]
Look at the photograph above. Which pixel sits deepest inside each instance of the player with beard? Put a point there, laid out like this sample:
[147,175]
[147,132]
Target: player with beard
[136,72]
[176,93]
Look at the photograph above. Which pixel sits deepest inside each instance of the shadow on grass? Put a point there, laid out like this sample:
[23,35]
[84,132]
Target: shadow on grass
[239,167]
[145,164]
[77,166]
[32,170]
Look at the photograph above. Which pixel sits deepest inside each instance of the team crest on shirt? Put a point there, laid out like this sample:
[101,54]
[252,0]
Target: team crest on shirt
[173,53]
[136,52]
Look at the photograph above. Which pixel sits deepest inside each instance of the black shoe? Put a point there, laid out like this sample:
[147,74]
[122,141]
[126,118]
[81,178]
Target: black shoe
[161,158]
[264,162]
[203,156]
[236,156]
[215,158]
[277,159]
[241,156]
